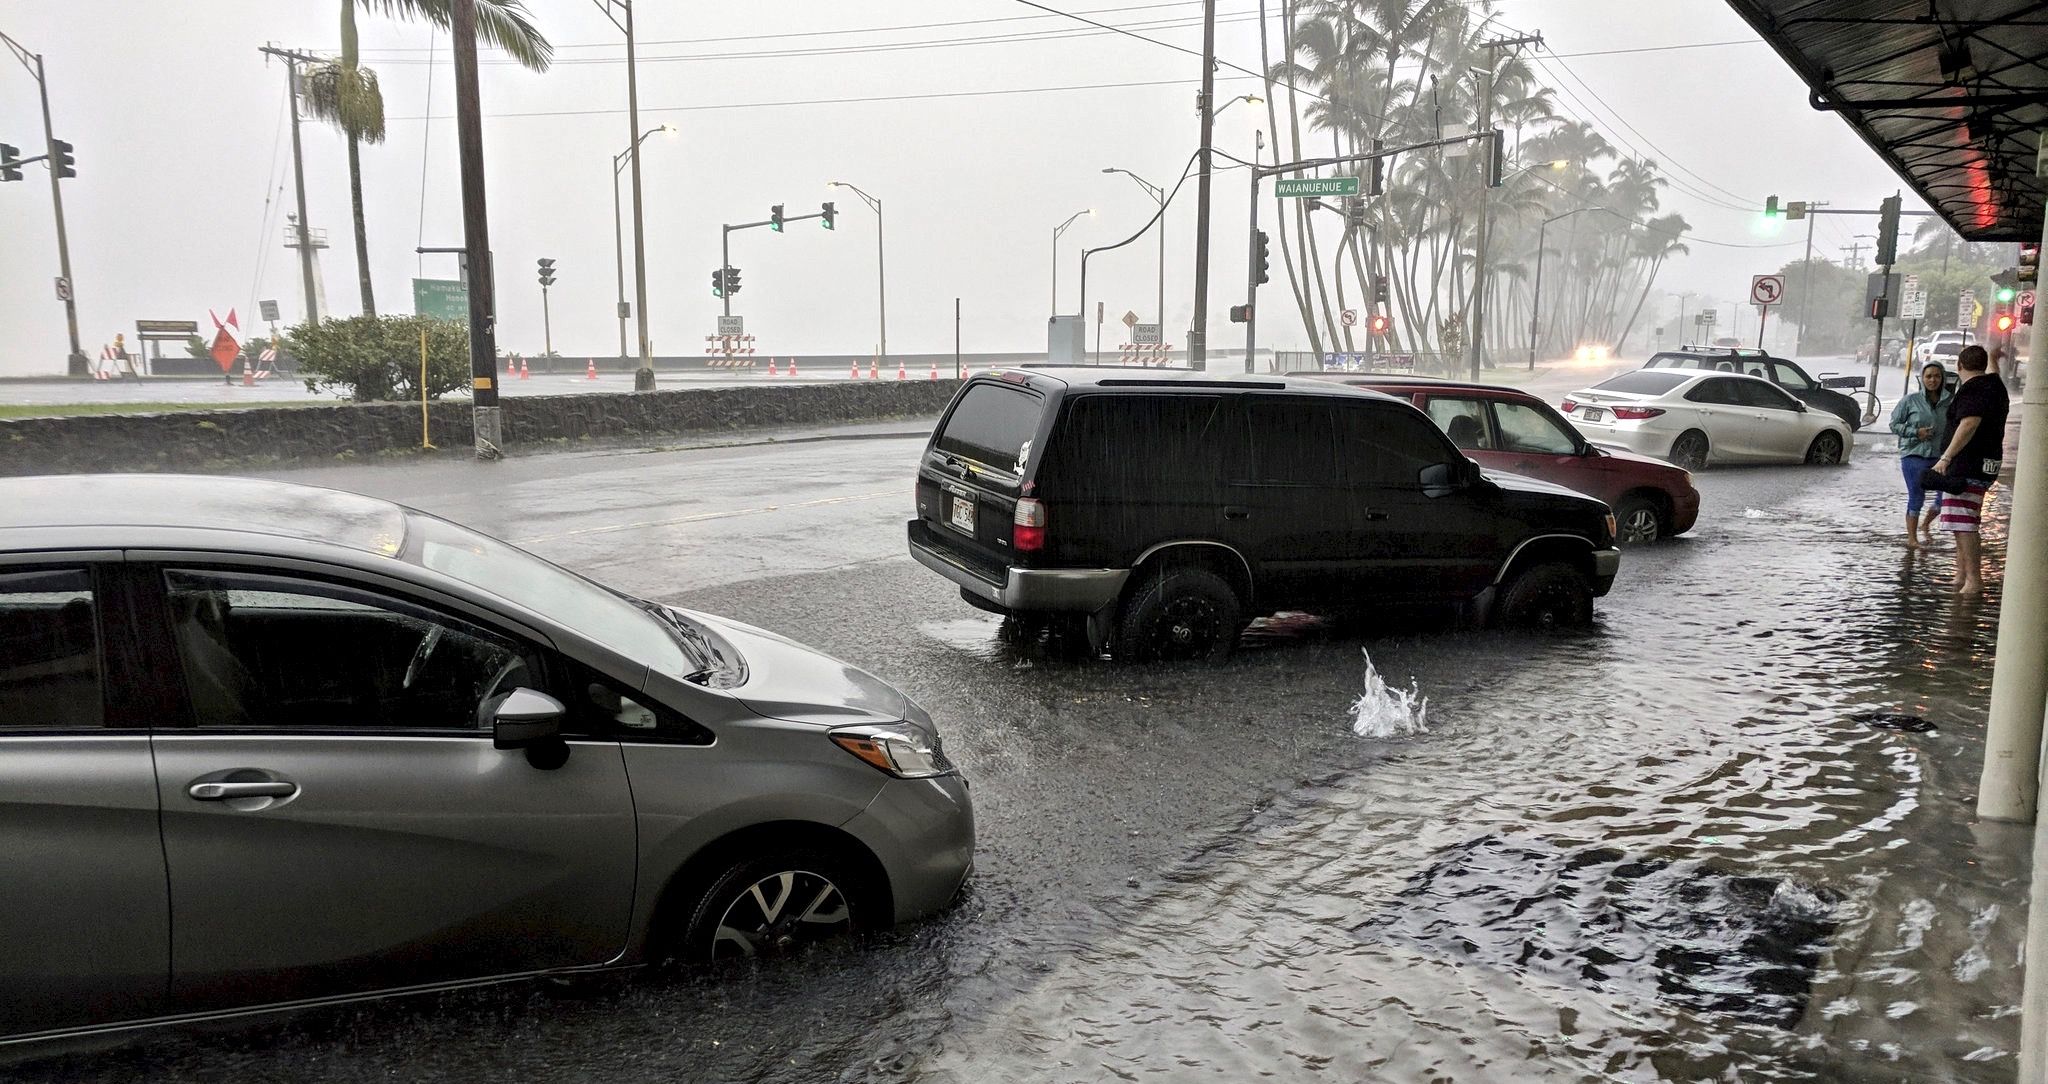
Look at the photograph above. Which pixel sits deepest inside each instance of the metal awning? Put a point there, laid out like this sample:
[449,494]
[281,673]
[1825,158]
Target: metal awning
[1952,93]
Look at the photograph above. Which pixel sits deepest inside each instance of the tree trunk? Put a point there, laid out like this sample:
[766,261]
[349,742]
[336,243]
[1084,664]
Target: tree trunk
[355,199]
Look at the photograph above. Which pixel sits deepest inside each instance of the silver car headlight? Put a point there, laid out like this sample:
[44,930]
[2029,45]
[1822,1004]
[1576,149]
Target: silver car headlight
[904,750]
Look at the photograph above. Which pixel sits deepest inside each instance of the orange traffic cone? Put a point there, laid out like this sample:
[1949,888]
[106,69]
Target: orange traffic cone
[248,375]
[875,368]
[901,372]
[771,367]
[522,368]
[854,373]
[935,370]
[590,369]
[792,366]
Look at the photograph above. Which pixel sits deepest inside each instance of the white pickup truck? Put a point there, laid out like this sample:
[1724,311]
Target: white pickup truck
[1942,346]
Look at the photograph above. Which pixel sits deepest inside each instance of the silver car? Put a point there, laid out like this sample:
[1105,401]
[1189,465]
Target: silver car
[265,745]
[1698,419]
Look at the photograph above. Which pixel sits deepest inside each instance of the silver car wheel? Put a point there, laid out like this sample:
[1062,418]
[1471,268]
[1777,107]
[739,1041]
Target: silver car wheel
[1640,526]
[779,913]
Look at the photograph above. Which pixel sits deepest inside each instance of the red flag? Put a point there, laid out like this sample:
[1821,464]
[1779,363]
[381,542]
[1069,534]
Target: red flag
[227,346]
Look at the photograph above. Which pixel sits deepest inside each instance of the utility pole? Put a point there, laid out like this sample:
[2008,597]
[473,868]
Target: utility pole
[1198,331]
[75,364]
[292,60]
[1478,335]
[476,235]
[1854,262]
[1805,279]
[643,378]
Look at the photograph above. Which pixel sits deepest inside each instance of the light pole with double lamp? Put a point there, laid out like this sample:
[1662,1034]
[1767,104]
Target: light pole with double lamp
[881,268]
[1158,195]
[618,230]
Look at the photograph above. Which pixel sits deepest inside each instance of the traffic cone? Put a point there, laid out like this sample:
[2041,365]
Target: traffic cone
[902,373]
[248,375]
[854,373]
[935,370]
[875,368]
[771,367]
[522,368]
[590,369]
[792,366]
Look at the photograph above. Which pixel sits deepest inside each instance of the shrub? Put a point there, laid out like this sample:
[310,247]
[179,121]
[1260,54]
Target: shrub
[372,358]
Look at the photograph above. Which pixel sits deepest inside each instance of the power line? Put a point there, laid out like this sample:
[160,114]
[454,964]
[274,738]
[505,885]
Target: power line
[1664,48]
[1747,202]
[840,101]
[1680,237]
[1015,37]
[829,33]
[1219,61]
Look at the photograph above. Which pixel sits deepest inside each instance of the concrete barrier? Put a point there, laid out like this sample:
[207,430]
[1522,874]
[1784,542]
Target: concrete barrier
[199,440]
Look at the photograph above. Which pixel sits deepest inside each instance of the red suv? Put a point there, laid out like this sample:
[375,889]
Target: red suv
[1507,429]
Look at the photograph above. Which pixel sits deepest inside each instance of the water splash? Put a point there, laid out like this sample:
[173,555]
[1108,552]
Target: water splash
[1385,712]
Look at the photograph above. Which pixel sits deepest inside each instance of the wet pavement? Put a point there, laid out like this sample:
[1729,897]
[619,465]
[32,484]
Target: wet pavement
[1696,842]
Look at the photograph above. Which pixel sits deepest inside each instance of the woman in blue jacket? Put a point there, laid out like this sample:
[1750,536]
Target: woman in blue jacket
[1918,421]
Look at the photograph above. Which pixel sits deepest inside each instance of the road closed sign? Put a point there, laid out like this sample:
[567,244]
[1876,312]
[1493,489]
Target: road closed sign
[1766,289]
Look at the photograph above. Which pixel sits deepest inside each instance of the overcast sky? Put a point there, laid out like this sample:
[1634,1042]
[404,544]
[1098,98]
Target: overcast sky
[977,151]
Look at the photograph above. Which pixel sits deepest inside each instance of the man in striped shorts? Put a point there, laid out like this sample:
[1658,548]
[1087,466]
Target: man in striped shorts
[1973,449]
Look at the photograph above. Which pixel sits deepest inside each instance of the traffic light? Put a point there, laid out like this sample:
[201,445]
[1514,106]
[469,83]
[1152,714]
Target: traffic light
[1379,324]
[1771,207]
[2003,323]
[1240,314]
[775,218]
[827,221]
[547,272]
[1379,290]
[2005,294]
[1880,307]
[732,280]
[2029,268]
[9,171]
[1261,249]
[718,283]
[1888,231]
[61,161]
[1496,158]
[1378,182]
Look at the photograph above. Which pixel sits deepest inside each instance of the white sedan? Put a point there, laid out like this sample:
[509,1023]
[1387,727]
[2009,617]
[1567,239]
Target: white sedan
[1700,418]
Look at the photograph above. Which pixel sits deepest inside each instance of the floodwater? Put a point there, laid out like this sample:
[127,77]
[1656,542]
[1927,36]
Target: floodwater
[1724,835]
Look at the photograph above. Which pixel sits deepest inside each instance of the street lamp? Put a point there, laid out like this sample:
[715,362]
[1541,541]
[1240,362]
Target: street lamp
[618,241]
[1056,231]
[881,274]
[1252,98]
[1536,292]
[643,378]
[1158,195]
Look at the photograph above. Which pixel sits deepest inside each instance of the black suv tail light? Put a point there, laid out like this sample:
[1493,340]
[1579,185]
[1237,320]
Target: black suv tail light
[1027,526]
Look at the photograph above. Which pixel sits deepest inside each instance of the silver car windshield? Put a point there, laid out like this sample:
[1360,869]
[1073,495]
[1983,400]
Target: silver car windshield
[510,573]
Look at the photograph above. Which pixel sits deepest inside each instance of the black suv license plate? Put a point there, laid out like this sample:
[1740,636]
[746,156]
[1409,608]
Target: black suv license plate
[960,515]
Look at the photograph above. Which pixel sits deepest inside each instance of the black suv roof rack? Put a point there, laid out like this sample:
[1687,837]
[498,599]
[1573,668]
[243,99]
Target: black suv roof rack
[1140,382]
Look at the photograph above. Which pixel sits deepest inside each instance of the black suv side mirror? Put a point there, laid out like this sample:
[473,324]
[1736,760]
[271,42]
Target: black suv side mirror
[1445,477]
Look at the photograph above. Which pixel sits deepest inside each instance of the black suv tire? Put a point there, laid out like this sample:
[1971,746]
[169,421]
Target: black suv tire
[1553,595]
[1179,614]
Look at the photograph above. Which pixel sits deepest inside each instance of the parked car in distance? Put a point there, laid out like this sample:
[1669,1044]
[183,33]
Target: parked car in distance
[1508,429]
[1696,419]
[268,745]
[1157,514]
[1937,345]
[1785,374]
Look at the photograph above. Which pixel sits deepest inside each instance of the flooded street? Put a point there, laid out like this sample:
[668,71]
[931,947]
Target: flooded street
[1710,839]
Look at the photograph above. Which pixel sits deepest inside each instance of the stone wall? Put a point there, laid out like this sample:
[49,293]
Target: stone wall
[202,440]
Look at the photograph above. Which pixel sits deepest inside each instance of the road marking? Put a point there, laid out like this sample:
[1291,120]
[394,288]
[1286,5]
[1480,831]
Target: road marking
[700,517]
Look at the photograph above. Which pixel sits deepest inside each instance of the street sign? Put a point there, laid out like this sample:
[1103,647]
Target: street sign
[1709,317]
[1130,318]
[166,327]
[63,288]
[1913,300]
[1966,309]
[269,311]
[1145,334]
[1316,186]
[732,325]
[1766,289]
[1350,317]
[441,299]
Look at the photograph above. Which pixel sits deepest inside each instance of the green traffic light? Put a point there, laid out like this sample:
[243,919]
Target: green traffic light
[2006,293]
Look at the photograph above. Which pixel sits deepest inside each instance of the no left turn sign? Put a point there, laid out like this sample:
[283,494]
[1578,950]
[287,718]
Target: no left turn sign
[1350,317]
[1766,289]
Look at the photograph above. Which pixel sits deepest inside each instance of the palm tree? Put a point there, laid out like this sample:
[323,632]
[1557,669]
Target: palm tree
[345,93]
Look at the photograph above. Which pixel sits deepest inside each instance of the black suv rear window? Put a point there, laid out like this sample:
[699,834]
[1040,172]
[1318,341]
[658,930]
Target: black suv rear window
[1646,382]
[993,425]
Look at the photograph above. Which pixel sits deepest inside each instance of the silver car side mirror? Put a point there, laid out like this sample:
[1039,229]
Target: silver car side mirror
[524,717]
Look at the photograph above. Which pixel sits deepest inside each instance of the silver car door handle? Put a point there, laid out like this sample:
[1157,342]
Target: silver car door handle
[221,792]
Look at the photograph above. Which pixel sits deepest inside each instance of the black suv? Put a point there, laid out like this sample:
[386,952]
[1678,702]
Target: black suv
[1778,371]
[1160,512]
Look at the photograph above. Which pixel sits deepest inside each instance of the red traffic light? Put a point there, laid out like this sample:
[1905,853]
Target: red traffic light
[2004,322]
[1379,325]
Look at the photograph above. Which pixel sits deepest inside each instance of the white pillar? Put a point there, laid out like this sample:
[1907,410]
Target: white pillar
[2010,786]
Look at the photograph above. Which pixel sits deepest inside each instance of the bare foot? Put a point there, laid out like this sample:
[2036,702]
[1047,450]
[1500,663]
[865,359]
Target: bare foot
[1970,589]
[1912,542]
